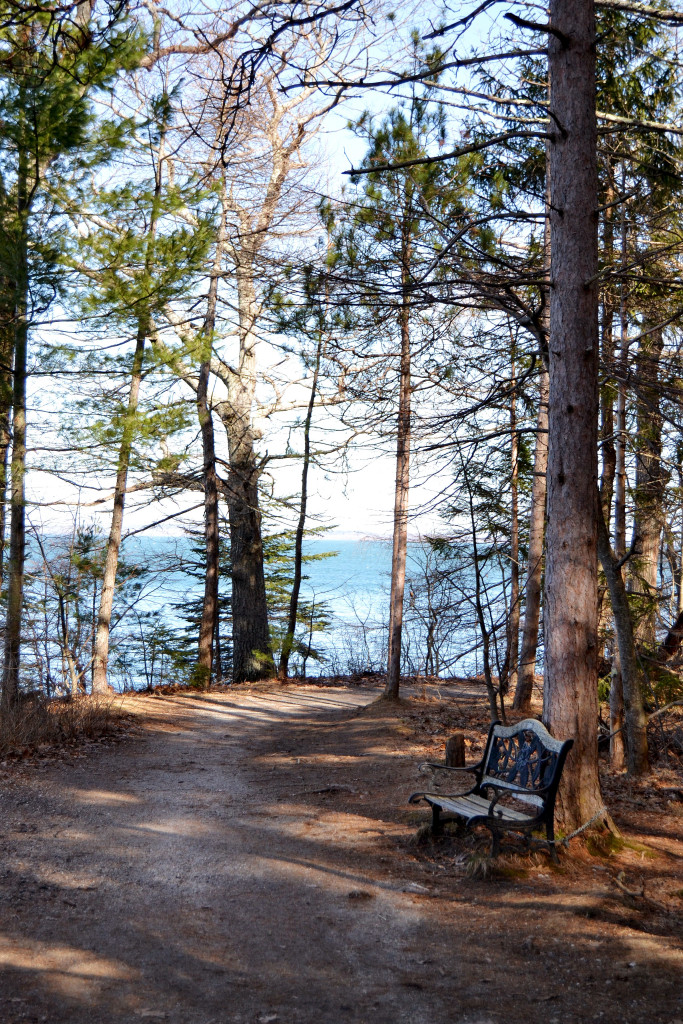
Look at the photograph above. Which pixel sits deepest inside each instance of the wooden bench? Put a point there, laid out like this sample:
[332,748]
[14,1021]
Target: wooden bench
[515,784]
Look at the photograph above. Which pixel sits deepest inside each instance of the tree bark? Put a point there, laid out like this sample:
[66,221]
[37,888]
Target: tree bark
[534,578]
[609,308]
[571,591]
[608,447]
[280,138]
[492,691]
[616,697]
[6,359]
[101,644]
[672,642]
[617,747]
[534,572]
[401,491]
[17,553]
[252,656]
[651,481]
[288,641]
[631,676]
[208,626]
[510,675]
[217,651]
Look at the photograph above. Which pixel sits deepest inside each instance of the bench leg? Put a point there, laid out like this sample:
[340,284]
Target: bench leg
[437,827]
[495,842]
[550,833]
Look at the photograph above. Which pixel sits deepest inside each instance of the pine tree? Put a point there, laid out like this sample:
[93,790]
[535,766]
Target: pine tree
[380,252]
[54,67]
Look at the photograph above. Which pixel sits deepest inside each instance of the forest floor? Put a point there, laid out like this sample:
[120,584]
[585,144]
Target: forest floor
[249,856]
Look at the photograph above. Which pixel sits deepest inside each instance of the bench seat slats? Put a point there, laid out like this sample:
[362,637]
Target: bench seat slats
[472,805]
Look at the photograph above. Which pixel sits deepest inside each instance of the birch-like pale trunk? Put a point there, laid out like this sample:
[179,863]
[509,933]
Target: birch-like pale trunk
[571,579]
[282,127]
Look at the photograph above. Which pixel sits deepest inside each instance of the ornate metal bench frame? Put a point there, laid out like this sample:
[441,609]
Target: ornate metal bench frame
[521,761]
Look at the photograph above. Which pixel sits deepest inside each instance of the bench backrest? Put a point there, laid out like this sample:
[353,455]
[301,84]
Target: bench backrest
[525,755]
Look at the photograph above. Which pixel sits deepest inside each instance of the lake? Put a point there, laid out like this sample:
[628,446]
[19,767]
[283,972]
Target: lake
[350,588]
[344,598]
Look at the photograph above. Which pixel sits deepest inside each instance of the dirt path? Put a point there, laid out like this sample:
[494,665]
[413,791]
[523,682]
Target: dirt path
[246,858]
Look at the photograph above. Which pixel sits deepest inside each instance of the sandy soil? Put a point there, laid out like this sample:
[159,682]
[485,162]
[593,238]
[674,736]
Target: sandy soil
[250,857]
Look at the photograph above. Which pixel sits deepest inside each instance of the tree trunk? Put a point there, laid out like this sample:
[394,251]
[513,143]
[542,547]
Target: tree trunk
[609,308]
[217,651]
[671,644]
[534,572]
[512,648]
[6,357]
[100,683]
[207,626]
[571,582]
[616,699]
[651,481]
[252,656]
[492,691]
[679,575]
[209,621]
[617,747]
[101,645]
[17,553]
[288,641]
[532,614]
[401,491]
[631,676]
[608,447]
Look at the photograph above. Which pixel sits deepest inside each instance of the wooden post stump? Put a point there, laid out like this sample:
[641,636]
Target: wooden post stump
[455,751]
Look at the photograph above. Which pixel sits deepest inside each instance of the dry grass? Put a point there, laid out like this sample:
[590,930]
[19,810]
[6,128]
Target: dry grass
[37,723]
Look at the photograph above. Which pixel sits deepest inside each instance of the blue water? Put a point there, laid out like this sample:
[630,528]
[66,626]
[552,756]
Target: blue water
[349,591]
[350,588]
[354,577]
